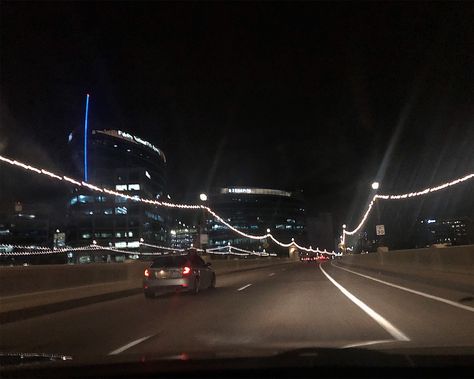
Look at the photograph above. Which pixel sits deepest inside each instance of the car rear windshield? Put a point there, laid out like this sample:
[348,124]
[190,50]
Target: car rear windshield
[169,262]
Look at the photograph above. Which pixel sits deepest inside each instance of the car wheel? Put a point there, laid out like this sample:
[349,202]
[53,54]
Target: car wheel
[149,294]
[196,286]
[213,282]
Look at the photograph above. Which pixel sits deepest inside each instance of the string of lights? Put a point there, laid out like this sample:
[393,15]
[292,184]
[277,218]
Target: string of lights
[148,201]
[220,219]
[99,248]
[401,197]
[48,251]
[217,248]
[230,248]
[32,247]
[228,253]
[160,247]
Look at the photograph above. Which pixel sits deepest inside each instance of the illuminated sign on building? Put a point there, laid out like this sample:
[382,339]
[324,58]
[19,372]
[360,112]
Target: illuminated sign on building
[132,138]
[239,190]
[256,191]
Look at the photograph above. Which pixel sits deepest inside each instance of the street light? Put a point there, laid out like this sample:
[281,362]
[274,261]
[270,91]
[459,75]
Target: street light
[378,239]
[202,235]
[268,230]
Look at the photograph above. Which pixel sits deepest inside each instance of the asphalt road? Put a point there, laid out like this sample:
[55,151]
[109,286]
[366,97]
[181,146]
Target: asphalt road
[281,307]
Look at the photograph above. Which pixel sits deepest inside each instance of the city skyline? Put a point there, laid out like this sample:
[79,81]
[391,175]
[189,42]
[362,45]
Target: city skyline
[274,106]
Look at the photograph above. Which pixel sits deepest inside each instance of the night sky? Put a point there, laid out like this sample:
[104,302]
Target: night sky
[317,97]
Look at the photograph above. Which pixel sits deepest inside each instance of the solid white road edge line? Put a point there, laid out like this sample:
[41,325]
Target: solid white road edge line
[384,323]
[129,345]
[424,294]
[366,343]
[244,287]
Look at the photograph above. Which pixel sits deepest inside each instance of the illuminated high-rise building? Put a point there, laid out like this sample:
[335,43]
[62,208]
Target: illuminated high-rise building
[125,163]
[253,211]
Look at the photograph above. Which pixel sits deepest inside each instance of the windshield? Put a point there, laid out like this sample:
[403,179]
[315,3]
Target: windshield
[235,179]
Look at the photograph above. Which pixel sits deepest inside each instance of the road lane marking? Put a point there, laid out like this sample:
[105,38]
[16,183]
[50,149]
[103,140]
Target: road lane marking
[129,345]
[271,274]
[244,287]
[424,294]
[366,343]
[384,323]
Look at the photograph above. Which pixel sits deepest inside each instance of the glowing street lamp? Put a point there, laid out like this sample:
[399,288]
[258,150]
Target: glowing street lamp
[203,197]
[375,185]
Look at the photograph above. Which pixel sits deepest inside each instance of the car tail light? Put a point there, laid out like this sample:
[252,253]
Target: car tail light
[147,273]
[186,270]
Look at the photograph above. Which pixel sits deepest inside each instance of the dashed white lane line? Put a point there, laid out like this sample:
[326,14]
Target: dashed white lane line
[384,323]
[271,274]
[129,345]
[424,294]
[244,287]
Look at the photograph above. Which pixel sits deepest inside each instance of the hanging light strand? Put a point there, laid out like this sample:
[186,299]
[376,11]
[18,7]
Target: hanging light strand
[402,197]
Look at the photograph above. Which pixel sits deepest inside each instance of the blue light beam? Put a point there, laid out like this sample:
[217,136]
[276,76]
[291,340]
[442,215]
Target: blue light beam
[86,174]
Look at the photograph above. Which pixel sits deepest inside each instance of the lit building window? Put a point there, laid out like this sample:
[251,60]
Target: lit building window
[121,210]
[85,199]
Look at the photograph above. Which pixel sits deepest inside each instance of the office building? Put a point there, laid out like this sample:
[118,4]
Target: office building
[253,211]
[124,163]
[448,231]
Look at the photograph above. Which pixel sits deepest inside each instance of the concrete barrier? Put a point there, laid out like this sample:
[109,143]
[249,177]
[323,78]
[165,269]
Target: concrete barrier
[451,267]
[455,259]
[30,279]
